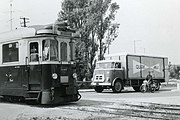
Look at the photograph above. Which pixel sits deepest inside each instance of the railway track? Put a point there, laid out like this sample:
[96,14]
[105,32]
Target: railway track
[141,111]
[116,111]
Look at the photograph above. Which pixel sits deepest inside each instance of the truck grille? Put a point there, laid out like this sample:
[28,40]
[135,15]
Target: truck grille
[99,78]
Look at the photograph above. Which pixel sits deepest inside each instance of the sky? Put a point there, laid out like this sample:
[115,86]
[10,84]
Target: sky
[146,26]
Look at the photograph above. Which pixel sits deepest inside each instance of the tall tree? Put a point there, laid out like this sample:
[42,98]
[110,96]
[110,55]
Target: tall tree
[104,17]
[92,19]
[174,71]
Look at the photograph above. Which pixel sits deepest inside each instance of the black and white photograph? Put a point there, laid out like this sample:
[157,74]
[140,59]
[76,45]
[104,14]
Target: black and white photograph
[89,60]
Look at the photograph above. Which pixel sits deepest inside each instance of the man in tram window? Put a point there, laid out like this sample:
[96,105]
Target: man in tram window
[54,50]
[34,53]
[50,50]
[46,46]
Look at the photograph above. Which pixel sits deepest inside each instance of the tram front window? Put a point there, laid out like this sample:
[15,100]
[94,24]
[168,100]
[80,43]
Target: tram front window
[50,50]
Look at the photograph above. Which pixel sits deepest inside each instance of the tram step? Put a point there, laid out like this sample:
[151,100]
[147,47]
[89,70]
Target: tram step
[34,87]
[33,92]
[33,95]
[31,98]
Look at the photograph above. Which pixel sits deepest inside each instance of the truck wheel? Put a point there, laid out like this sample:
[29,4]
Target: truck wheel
[136,88]
[98,89]
[117,87]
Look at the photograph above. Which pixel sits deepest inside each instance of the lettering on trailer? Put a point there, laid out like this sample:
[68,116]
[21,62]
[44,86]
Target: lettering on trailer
[137,67]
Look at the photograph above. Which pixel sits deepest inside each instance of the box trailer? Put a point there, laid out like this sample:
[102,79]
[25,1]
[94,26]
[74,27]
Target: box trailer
[120,70]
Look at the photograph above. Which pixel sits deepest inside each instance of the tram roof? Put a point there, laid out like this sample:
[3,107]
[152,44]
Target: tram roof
[33,31]
[17,34]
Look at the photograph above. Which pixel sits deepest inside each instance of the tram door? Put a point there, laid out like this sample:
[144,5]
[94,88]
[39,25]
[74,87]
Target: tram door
[34,75]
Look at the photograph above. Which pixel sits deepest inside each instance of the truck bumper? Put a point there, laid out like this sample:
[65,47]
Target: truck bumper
[100,84]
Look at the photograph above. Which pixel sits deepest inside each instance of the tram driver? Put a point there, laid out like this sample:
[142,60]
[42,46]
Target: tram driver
[34,53]
[46,46]
[50,50]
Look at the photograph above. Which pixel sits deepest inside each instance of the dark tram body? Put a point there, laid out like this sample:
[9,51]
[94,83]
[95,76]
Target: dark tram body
[37,64]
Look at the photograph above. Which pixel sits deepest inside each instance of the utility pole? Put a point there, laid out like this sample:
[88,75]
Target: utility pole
[135,45]
[108,38]
[24,21]
[144,50]
[101,29]
[11,12]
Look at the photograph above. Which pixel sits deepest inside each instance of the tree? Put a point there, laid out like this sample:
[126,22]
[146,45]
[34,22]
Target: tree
[104,18]
[92,19]
[174,71]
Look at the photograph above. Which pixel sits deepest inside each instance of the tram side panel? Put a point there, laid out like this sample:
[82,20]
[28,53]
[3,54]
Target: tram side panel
[11,70]
[10,83]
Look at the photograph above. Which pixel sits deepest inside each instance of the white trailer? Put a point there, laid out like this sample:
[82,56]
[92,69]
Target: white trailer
[131,71]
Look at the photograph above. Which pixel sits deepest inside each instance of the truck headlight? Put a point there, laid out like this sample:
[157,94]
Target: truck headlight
[107,79]
[54,76]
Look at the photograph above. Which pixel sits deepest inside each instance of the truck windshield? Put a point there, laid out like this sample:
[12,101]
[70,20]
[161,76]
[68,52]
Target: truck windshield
[105,65]
[50,50]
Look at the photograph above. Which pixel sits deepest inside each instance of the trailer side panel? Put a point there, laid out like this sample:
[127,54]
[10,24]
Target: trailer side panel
[139,66]
[154,65]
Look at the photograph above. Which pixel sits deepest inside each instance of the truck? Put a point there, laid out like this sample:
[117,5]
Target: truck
[129,70]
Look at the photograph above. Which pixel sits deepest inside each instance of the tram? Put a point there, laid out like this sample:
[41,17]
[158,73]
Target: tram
[37,64]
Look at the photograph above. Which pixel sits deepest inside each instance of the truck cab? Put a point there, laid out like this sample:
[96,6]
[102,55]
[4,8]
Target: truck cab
[108,74]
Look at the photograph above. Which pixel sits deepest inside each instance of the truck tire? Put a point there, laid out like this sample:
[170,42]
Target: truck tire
[136,88]
[117,86]
[98,89]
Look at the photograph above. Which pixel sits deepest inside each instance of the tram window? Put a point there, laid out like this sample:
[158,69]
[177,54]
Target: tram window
[50,50]
[11,52]
[63,51]
[34,51]
[72,50]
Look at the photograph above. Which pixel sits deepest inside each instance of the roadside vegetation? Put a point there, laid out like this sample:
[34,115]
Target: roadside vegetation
[93,20]
[174,71]
[94,23]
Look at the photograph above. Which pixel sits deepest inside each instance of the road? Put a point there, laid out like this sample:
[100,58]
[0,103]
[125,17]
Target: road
[164,95]
[163,104]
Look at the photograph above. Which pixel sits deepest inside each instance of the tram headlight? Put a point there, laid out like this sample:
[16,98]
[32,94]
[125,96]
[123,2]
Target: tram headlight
[74,75]
[54,76]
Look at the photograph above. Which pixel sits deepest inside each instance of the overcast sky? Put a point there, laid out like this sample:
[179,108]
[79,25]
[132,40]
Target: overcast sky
[153,25]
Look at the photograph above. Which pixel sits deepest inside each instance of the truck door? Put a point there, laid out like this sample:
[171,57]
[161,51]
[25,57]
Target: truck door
[34,73]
